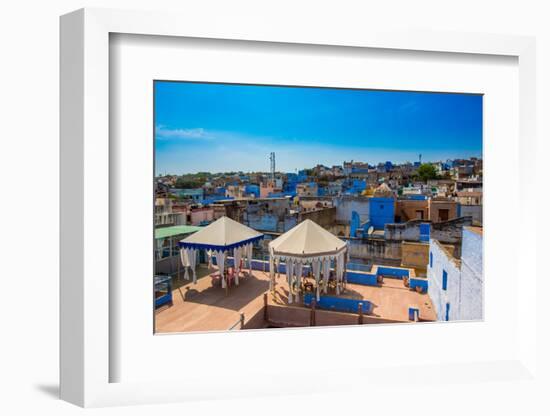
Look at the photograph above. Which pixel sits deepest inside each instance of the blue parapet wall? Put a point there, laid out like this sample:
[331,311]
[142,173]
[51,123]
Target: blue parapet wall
[332,303]
[163,299]
[392,272]
[415,282]
[367,279]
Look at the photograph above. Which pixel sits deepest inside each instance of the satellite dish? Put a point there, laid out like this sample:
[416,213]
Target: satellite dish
[370,230]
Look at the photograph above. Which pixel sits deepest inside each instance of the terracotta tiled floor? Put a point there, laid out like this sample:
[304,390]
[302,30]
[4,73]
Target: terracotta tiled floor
[202,307]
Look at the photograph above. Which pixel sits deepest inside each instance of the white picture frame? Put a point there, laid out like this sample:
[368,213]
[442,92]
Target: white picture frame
[86,355]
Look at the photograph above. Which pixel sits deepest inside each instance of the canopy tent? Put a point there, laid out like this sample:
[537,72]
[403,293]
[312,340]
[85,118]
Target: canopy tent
[307,243]
[218,238]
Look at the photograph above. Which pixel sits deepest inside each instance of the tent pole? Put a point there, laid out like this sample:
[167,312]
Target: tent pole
[170,257]
[226,274]
[179,261]
[344,279]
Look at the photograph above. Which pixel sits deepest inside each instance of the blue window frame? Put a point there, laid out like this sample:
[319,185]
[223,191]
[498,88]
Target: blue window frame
[431,259]
[444,283]
[447,309]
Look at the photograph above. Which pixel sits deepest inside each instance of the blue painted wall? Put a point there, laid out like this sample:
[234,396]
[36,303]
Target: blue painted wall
[419,282]
[412,313]
[366,279]
[381,212]
[425,232]
[359,185]
[167,298]
[339,304]
[252,189]
[290,188]
[392,272]
[302,176]
[163,300]
[370,279]
[354,224]
[266,222]
[417,197]
[194,194]
[365,229]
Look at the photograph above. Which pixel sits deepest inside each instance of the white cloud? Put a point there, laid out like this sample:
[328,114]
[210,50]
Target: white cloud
[165,133]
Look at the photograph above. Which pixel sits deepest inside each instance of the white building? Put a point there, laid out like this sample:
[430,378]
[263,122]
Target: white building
[345,205]
[164,215]
[456,286]
[471,279]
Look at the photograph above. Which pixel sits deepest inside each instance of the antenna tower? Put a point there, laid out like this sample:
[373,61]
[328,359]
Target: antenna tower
[272,165]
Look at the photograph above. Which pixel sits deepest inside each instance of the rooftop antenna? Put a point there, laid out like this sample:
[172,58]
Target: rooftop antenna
[272,165]
[420,158]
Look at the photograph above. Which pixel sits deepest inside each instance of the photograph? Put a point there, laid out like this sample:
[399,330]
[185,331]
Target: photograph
[287,206]
[244,208]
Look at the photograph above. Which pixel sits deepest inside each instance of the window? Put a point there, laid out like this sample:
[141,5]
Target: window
[431,259]
[444,284]
[447,309]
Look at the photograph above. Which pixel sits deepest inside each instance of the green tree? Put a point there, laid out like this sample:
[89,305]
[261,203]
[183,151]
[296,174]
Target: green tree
[184,183]
[426,172]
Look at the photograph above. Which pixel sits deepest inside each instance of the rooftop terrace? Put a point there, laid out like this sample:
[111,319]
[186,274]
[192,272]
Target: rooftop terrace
[202,307]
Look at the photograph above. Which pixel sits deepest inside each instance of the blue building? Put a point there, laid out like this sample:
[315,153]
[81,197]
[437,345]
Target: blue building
[354,186]
[302,176]
[359,170]
[381,211]
[252,190]
[358,185]
[289,186]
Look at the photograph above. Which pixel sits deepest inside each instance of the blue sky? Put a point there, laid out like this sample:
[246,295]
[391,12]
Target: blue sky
[223,127]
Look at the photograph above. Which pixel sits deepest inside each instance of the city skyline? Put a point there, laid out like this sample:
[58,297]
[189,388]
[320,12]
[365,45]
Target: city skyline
[230,128]
[279,171]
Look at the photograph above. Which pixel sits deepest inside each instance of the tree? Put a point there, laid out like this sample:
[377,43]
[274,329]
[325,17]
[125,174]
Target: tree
[426,172]
[183,183]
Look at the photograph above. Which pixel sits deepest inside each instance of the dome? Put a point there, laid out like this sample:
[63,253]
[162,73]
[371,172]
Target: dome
[383,191]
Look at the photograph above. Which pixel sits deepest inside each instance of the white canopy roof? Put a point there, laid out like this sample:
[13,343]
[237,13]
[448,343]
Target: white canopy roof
[222,234]
[307,239]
